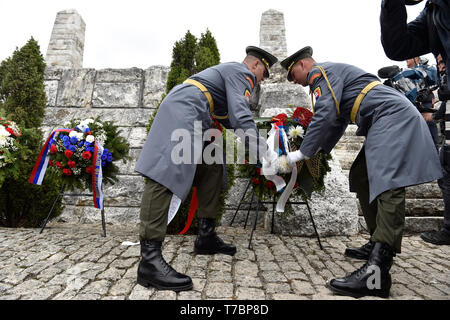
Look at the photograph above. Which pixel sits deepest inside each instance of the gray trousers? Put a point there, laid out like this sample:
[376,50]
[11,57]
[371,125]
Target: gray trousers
[156,201]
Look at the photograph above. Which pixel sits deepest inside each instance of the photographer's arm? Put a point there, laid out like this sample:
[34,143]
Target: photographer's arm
[402,40]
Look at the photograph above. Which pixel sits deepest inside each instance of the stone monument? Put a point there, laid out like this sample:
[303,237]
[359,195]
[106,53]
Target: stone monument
[66,46]
[276,94]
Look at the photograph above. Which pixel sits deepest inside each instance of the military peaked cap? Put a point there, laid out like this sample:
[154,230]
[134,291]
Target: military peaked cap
[262,55]
[289,62]
[412,2]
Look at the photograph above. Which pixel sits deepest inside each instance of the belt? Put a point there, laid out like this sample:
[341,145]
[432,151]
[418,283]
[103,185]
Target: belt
[360,98]
[207,95]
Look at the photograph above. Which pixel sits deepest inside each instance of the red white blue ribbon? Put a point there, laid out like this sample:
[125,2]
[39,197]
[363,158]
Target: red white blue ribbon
[38,173]
[97,175]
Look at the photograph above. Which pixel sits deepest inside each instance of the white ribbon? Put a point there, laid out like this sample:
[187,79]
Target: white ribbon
[290,187]
[175,203]
[277,180]
[267,169]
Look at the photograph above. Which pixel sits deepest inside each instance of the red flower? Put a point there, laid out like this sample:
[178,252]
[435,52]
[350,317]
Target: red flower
[89,170]
[67,172]
[86,155]
[71,164]
[270,184]
[303,116]
[256,181]
[58,164]
[11,131]
[282,117]
[53,149]
[68,154]
[51,163]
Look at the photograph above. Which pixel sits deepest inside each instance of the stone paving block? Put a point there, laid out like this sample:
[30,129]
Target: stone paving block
[61,265]
[243,293]
[219,290]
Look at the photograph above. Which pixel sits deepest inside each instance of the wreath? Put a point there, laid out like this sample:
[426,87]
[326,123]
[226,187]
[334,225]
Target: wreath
[10,147]
[83,156]
[290,133]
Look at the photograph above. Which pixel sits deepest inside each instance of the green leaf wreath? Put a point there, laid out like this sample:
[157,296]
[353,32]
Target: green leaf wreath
[71,153]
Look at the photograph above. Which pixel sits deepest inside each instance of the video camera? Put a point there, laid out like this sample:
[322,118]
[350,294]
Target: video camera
[443,91]
[413,83]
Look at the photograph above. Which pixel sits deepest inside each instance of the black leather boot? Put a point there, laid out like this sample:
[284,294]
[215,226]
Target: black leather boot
[436,237]
[207,241]
[372,279]
[362,253]
[154,271]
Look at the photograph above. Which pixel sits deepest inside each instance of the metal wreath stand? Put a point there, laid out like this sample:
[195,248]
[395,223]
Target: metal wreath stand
[258,202]
[61,193]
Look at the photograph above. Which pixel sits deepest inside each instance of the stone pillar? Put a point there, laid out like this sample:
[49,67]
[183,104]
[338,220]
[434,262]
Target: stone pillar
[272,38]
[66,46]
[276,94]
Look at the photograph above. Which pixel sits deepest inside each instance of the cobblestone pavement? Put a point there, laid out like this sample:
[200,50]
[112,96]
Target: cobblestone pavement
[76,262]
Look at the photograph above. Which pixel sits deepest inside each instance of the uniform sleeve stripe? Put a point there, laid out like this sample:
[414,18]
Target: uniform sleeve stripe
[314,77]
[250,80]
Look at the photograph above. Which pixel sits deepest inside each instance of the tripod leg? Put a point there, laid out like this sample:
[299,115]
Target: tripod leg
[239,206]
[249,208]
[61,193]
[254,224]
[103,222]
[273,213]
[314,225]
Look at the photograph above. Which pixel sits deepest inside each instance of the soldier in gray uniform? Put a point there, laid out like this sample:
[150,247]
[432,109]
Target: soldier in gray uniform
[219,93]
[398,151]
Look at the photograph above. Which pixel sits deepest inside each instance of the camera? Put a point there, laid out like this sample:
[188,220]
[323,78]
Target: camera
[443,91]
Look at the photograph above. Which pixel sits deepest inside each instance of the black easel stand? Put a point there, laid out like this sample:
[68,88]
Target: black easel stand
[258,202]
[61,193]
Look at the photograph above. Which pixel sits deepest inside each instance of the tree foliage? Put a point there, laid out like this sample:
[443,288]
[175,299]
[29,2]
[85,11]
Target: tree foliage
[23,100]
[191,55]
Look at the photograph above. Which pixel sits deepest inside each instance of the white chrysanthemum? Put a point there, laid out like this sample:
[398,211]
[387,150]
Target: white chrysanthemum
[283,165]
[72,133]
[296,132]
[90,138]
[80,135]
[86,122]
[3,132]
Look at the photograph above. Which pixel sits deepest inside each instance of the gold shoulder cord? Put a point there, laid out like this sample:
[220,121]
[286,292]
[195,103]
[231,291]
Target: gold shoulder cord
[208,97]
[329,87]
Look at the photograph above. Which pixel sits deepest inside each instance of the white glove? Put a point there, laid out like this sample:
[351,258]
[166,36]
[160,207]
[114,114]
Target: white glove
[293,157]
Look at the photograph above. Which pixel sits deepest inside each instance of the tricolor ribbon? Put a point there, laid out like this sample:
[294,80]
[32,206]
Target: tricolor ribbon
[278,134]
[267,170]
[38,173]
[97,175]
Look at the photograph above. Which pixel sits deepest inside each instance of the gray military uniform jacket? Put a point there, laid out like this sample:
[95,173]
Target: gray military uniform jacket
[230,84]
[398,147]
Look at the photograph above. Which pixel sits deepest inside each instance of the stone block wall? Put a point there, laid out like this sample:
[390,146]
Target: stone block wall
[127,97]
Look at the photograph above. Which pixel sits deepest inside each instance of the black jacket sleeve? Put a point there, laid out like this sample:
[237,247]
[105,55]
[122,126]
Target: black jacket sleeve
[402,40]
